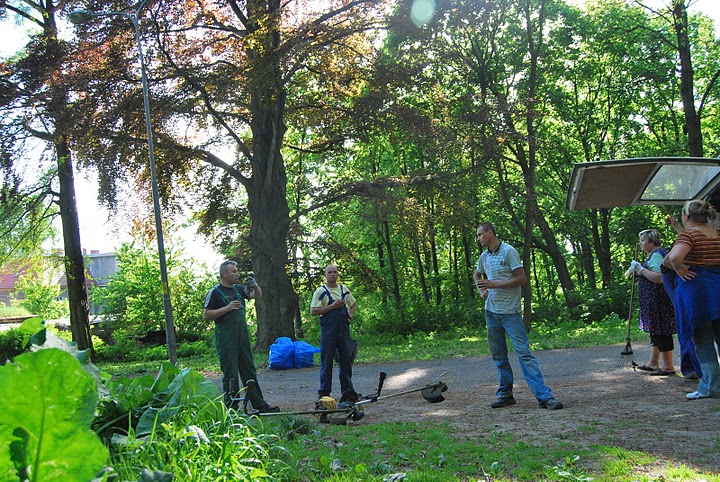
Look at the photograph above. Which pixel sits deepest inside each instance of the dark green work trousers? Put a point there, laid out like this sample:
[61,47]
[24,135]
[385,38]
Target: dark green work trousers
[232,343]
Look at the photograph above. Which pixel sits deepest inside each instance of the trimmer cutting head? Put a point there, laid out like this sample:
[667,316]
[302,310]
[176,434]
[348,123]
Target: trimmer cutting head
[434,393]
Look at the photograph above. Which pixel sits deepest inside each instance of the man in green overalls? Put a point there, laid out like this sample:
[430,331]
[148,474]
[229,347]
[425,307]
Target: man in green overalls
[225,303]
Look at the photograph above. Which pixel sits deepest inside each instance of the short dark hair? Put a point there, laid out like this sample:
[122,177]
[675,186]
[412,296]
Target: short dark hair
[225,264]
[487,226]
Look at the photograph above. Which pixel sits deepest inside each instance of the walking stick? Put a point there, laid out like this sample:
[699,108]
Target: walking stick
[628,351]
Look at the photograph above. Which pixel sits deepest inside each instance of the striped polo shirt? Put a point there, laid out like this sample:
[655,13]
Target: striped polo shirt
[500,265]
[704,251]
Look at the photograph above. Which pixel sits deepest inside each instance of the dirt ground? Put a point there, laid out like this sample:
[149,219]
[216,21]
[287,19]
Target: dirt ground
[606,402]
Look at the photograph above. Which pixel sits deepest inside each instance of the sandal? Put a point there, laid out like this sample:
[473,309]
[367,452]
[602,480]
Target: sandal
[661,373]
[646,368]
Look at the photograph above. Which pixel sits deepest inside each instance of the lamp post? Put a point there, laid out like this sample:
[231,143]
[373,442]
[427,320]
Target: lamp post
[79,17]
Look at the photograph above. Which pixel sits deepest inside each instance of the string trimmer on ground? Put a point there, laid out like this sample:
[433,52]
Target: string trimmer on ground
[350,407]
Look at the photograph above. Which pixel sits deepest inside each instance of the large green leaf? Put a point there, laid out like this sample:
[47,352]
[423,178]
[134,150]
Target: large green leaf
[185,387]
[33,330]
[48,405]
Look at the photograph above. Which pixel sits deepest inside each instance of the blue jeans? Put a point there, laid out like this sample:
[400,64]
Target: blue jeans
[705,338]
[498,325]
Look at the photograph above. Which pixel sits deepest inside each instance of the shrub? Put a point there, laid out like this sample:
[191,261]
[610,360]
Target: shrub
[597,304]
[133,300]
[11,344]
[41,292]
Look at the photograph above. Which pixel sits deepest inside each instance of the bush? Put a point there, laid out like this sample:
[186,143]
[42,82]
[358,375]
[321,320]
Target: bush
[597,304]
[16,341]
[420,317]
[11,344]
[41,293]
[133,300]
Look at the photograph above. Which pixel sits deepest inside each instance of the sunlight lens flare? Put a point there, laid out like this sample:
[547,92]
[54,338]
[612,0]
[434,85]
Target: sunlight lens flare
[422,11]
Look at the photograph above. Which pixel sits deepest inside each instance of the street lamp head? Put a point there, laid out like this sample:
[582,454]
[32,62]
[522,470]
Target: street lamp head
[79,17]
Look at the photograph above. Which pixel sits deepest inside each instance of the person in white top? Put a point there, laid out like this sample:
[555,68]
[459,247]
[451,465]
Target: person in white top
[335,306]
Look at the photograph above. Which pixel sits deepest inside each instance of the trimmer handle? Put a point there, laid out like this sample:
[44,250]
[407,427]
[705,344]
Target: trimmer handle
[251,386]
[374,396]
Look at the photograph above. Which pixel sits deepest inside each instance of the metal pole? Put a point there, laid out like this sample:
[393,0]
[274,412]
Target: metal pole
[82,16]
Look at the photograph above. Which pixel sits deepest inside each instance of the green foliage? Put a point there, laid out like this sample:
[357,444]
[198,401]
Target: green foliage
[26,214]
[49,403]
[141,404]
[41,291]
[592,305]
[595,305]
[175,423]
[11,344]
[196,448]
[133,299]
[15,341]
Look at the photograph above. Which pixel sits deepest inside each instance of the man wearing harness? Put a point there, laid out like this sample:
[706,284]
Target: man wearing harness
[225,303]
[335,306]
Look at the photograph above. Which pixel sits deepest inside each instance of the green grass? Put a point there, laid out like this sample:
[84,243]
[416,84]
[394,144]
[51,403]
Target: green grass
[13,311]
[432,452]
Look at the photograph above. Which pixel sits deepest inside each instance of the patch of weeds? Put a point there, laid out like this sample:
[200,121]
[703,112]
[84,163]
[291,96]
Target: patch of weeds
[629,423]
[568,470]
[289,427]
[591,427]
[617,462]
[680,472]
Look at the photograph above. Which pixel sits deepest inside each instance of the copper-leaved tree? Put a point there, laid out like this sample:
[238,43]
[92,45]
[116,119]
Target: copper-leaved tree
[224,78]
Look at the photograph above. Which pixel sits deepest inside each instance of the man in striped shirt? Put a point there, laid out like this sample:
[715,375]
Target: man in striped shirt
[499,278]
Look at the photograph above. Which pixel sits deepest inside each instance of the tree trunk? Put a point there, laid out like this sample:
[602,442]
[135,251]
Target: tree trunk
[381,265]
[267,189]
[692,120]
[391,260]
[469,265]
[270,216]
[421,272]
[601,239]
[74,261]
[436,270]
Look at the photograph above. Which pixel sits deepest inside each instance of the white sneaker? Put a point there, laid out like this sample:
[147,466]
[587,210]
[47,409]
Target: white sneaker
[694,395]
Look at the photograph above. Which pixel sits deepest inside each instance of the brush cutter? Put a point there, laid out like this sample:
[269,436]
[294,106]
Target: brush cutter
[349,407]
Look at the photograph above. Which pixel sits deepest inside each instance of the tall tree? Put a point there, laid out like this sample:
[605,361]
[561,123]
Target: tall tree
[227,72]
[35,100]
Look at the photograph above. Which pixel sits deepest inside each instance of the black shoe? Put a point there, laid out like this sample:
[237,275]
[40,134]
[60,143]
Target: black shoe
[503,402]
[268,409]
[551,404]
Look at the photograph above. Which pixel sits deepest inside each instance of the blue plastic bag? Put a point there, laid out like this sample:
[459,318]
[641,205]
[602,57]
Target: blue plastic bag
[282,354]
[304,352]
[285,353]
